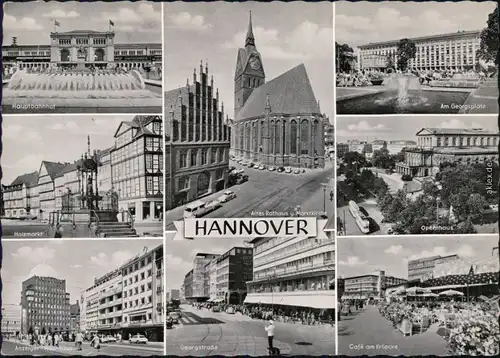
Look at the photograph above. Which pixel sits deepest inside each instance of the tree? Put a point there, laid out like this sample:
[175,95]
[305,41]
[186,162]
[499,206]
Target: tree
[354,159]
[476,205]
[345,56]
[382,159]
[389,61]
[488,50]
[406,51]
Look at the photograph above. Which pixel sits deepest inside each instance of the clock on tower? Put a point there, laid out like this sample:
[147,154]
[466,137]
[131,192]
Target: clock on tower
[255,63]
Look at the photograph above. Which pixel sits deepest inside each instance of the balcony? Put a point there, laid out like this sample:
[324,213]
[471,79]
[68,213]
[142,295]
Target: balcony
[111,292]
[110,314]
[110,303]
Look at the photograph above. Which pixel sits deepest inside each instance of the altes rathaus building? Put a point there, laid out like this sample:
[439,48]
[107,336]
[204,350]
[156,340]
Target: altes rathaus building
[277,122]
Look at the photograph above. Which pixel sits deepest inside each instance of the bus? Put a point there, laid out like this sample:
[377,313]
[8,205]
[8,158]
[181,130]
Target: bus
[361,219]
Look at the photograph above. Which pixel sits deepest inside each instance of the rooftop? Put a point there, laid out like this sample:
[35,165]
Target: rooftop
[290,93]
[454,131]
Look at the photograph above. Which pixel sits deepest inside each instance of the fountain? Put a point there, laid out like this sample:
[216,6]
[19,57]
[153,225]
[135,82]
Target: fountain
[402,93]
[80,89]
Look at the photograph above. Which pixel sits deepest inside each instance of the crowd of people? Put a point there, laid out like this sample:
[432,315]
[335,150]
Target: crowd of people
[297,315]
[361,78]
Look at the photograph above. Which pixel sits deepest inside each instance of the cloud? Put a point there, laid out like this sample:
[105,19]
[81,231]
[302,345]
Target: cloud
[142,18]
[457,123]
[186,21]
[26,23]
[353,261]
[117,259]
[364,126]
[61,14]
[394,249]
[464,251]
[76,266]
[20,133]
[307,40]
[37,254]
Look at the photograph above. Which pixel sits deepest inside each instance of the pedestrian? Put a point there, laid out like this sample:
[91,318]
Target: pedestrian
[96,342]
[79,340]
[56,340]
[270,335]
[59,231]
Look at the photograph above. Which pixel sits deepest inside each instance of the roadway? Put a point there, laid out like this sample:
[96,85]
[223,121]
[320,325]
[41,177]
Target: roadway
[202,333]
[15,348]
[267,192]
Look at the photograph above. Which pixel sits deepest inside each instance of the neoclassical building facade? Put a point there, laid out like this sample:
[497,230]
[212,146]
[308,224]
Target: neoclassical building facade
[277,122]
[197,142]
[437,146]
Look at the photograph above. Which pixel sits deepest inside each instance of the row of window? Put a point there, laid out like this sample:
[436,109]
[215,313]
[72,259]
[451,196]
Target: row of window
[202,156]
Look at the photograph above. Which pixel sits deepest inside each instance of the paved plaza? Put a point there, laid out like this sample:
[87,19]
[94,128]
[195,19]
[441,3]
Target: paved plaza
[484,99]
[366,332]
[271,191]
[202,333]
[15,348]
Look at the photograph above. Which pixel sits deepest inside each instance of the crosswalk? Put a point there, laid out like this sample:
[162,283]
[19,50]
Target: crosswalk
[189,318]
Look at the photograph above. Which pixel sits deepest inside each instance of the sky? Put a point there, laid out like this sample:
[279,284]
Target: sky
[359,23]
[365,255]
[32,22]
[404,128]
[76,261]
[286,34]
[179,255]
[28,140]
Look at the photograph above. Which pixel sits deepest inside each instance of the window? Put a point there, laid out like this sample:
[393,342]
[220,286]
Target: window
[183,160]
[193,158]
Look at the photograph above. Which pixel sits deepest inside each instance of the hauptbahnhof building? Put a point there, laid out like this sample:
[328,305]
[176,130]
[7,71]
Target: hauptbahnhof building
[99,48]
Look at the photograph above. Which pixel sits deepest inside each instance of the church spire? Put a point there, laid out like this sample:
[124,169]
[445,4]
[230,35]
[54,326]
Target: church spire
[250,40]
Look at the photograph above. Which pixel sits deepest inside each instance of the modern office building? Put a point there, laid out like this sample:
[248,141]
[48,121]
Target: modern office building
[197,141]
[371,285]
[44,302]
[452,51]
[11,320]
[277,122]
[137,166]
[128,299]
[143,287]
[436,146]
[298,271]
[423,269]
[211,269]
[74,317]
[197,282]
[132,168]
[234,270]
[174,294]
[187,287]
[98,47]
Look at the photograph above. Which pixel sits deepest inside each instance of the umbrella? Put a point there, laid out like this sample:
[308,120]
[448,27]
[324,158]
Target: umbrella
[412,291]
[430,294]
[451,293]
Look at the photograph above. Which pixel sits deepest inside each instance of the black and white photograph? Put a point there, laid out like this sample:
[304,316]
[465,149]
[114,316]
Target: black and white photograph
[267,296]
[63,298]
[418,296]
[416,57]
[423,175]
[264,88]
[72,57]
[82,176]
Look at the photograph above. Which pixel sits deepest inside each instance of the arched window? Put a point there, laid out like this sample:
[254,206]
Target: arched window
[247,137]
[242,136]
[293,137]
[271,151]
[277,137]
[255,137]
[304,137]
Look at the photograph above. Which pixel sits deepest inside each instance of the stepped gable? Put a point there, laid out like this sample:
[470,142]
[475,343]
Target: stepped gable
[290,93]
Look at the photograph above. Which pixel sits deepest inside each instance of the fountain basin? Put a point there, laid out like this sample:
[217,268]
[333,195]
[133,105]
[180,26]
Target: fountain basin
[81,92]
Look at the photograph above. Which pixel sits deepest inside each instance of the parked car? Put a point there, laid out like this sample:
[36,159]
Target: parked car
[296,171]
[245,163]
[288,170]
[262,167]
[242,179]
[271,168]
[175,317]
[240,162]
[232,168]
[215,309]
[138,339]
[212,205]
[280,169]
[108,339]
[227,196]
[240,171]
[230,310]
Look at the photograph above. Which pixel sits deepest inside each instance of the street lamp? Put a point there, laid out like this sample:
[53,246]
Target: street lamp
[269,278]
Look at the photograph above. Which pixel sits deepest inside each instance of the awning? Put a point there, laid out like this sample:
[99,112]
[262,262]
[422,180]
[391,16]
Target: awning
[317,301]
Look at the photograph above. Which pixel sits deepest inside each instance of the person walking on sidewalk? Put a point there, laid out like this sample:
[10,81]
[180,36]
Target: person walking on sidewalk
[79,340]
[96,342]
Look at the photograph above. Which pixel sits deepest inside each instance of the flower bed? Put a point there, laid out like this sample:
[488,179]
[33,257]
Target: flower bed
[454,84]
